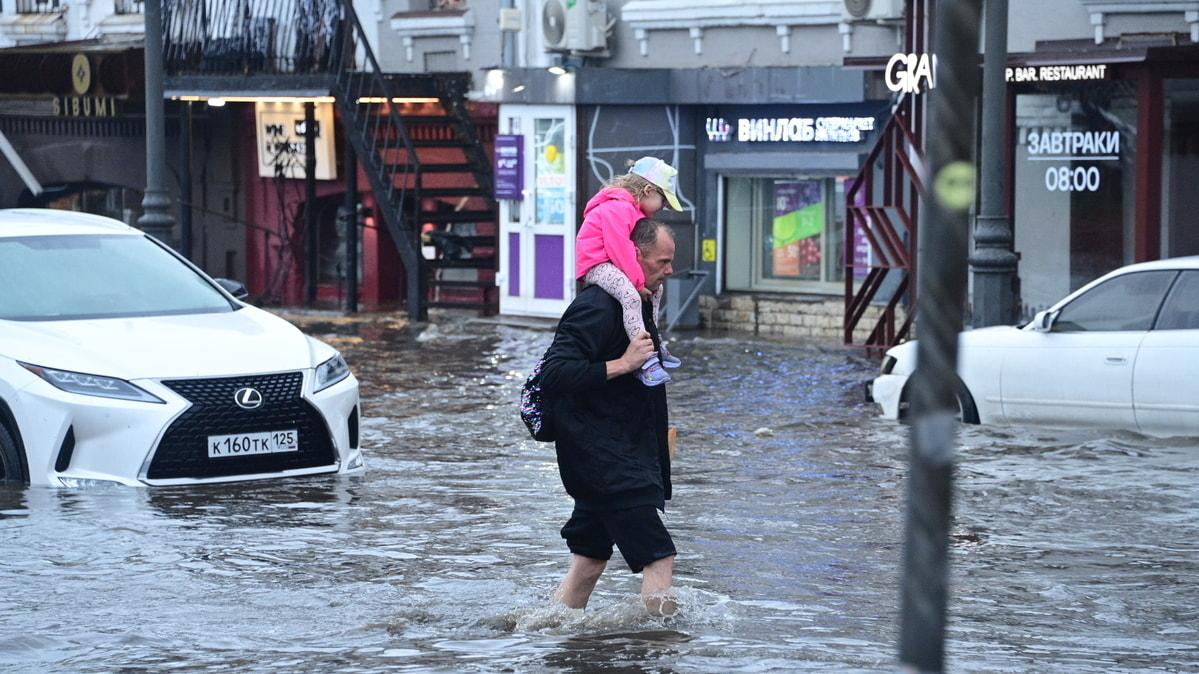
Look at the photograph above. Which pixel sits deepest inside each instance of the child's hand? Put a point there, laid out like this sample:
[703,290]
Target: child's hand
[645,294]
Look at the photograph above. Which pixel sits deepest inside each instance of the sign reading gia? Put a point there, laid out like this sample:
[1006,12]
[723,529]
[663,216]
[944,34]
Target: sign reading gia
[917,69]
[792,129]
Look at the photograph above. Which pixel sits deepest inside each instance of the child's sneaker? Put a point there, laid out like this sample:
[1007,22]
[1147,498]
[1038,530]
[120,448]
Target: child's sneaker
[668,359]
[651,373]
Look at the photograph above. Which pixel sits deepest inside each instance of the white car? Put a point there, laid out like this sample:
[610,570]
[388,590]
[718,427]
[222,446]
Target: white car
[121,362]
[1122,352]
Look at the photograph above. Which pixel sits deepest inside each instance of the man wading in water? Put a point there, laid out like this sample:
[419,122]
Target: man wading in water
[611,433]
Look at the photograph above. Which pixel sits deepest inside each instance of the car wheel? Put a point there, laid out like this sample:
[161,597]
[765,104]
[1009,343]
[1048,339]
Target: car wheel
[12,467]
[967,410]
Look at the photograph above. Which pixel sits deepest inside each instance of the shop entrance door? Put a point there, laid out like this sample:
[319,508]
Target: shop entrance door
[537,230]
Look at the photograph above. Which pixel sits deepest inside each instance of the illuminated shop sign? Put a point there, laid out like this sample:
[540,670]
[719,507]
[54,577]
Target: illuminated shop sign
[906,73]
[790,129]
[282,144]
[1069,155]
[1075,73]
[83,104]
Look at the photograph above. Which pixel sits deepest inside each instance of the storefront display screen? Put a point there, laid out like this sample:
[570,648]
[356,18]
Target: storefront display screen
[783,235]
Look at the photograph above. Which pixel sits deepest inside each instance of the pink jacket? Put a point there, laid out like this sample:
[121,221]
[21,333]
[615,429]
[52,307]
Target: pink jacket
[608,220]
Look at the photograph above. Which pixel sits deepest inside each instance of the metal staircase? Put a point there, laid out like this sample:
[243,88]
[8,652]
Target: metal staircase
[882,206]
[430,173]
[413,134]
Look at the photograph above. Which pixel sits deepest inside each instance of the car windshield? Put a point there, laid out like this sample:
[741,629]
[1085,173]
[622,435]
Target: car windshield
[98,276]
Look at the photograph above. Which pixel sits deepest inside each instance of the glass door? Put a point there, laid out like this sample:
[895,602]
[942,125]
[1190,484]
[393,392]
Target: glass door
[537,225]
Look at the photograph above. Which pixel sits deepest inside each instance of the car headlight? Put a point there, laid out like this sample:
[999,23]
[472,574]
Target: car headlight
[330,372]
[92,384]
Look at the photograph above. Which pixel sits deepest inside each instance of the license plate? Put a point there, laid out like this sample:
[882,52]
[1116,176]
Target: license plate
[243,444]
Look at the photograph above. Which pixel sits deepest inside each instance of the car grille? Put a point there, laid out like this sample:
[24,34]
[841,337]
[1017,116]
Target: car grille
[183,452]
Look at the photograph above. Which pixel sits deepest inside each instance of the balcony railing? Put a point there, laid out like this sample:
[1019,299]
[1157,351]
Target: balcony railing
[251,36]
[38,6]
[130,7]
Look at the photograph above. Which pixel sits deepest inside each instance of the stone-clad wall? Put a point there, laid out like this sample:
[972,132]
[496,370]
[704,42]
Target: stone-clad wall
[812,318]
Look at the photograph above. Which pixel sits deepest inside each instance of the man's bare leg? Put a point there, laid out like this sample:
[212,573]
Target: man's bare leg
[580,581]
[656,578]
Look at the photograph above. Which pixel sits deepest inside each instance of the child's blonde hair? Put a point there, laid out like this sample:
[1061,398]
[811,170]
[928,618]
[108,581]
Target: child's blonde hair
[630,181]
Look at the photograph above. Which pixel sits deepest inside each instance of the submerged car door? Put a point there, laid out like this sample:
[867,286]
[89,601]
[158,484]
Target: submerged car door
[1080,372]
[1165,384]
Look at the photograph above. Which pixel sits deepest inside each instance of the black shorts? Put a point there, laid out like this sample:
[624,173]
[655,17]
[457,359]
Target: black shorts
[637,532]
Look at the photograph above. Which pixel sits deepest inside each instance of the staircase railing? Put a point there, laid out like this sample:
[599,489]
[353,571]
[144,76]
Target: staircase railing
[883,207]
[381,140]
[882,210]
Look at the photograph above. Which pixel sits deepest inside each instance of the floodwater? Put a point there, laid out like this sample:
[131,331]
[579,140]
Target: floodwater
[1071,551]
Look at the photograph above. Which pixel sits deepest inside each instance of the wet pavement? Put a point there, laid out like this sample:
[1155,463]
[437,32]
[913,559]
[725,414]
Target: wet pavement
[1071,551]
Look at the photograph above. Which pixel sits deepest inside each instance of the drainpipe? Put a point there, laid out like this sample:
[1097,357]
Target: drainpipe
[508,55]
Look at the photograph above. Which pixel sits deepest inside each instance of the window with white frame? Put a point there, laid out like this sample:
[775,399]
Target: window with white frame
[784,234]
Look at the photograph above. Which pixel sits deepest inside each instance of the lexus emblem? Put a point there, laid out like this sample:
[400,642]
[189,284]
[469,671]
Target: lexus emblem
[248,398]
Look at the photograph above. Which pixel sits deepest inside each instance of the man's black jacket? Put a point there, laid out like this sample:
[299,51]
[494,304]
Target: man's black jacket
[611,435]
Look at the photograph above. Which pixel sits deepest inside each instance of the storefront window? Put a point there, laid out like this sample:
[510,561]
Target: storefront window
[1180,168]
[1074,187]
[119,203]
[549,166]
[784,234]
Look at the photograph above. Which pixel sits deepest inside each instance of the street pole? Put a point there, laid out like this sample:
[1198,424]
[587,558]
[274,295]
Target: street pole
[993,262]
[944,237]
[311,231]
[350,227]
[185,186]
[155,220]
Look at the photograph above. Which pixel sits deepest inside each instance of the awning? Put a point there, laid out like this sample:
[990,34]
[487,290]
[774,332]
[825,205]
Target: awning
[1129,48]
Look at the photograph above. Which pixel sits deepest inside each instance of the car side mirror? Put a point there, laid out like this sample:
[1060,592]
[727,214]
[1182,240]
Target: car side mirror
[1043,321]
[235,288]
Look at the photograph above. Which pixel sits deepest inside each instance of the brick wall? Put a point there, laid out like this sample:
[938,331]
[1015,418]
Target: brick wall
[808,318]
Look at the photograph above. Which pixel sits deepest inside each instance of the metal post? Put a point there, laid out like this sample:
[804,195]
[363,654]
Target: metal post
[993,262]
[351,228]
[944,237]
[311,232]
[155,219]
[185,182]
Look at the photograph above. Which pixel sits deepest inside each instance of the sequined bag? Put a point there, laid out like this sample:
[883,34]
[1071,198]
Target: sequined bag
[534,409]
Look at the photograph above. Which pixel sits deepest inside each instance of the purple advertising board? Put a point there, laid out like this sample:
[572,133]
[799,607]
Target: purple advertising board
[509,169]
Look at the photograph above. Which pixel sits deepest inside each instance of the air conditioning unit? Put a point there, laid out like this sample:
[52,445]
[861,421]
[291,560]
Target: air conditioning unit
[574,25]
[872,10]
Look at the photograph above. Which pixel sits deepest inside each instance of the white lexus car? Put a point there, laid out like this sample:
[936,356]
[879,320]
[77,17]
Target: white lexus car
[1122,352]
[121,362]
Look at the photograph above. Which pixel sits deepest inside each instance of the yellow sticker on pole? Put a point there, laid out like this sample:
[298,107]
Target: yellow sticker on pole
[954,186]
[709,252]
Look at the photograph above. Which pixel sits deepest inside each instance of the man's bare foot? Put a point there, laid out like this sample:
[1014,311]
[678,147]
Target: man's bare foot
[661,606]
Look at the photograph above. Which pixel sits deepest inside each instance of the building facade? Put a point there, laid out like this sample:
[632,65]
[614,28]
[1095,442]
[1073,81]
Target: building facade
[769,109]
